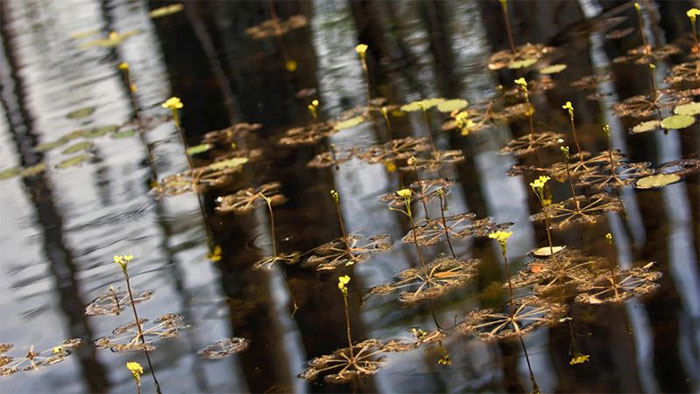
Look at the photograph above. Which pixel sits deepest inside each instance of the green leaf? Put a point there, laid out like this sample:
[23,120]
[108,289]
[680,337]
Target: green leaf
[656,181]
[452,105]
[124,134]
[677,122]
[349,123]
[517,64]
[99,132]
[47,146]
[73,161]
[166,10]
[647,126]
[689,109]
[230,163]
[197,149]
[33,170]
[80,113]
[80,146]
[9,173]
[553,69]
[419,105]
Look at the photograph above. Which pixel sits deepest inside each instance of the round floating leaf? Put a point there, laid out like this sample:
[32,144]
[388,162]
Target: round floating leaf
[73,161]
[230,163]
[553,69]
[545,251]
[9,173]
[197,149]
[99,132]
[647,126]
[166,10]
[452,105]
[80,146]
[656,181]
[677,122]
[689,109]
[124,134]
[46,146]
[517,64]
[113,39]
[80,113]
[349,123]
[84,34]
[419,105]
[33,170]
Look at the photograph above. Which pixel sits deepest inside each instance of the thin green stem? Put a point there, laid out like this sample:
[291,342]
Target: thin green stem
[444,223]
[535,387]
[506,17]
[347,325]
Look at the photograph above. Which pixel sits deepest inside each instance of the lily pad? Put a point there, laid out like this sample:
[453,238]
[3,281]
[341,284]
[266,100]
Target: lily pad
[124,134]
[166,10]
[545,251]
[647,126]
[689,109]
[656,181]
[230,163]
[81,113]
[553,69]
[349,123]
[197,149]
[99,132]
[73,161]
[80,146]
[33,170]
[677,122]
[452,105]
[9,173]
[419,105]
[518,64]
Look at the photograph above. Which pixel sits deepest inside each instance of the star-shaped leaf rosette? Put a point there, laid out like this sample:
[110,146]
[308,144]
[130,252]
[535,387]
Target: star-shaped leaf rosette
[126,337]
[346,251]
[34,360]
[245,200]
[113,301]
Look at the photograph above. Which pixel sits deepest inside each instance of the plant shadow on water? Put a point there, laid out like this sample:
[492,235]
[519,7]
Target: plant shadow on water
[543,164]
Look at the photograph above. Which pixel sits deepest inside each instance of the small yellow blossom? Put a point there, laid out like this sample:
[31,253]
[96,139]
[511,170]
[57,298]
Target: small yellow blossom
[539,182]
[124,66]
[172,103]
[361,49]
[342,282]
[637,7]
[445,359]
[565,151]
[411,161]
[569,108]
[290,65]
[652,66]
[390,165]
[136,370]
[335,195]
[522,83]
[215,255]
[693,14]
[580,359]
[404,193]
[123,260]
[606,130]
[57,350]
[501,236]
[609,238]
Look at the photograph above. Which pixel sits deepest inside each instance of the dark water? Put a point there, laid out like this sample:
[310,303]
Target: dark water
[60,229]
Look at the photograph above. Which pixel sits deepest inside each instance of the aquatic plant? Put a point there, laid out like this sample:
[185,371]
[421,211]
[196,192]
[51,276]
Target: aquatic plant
[33,360]
[435,161]
[405,194]
[619,285]
[333,157]
[418,337]
[559,274]
[276,27]
[423,190]
[113,302]
[646,54]
[395,150]
[224,348]
[199,179]
[136,372]
[361,50]
[287,258]
[570,109]
[245,200]
[228,135]
[578,210]
[457,226]
[545,199]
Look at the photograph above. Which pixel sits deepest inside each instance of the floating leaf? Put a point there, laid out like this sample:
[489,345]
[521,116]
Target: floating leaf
[99,132]
[553,69]
[677,122]
[518,64]
[112,40]
[128,337]
[9,173]
[73,161]
[547,251]
[656,181]
[80,113]
[124,134]
[197,149]
[80,146]
[647,126]
[84,34]
[349,123]
[32,360]
[276,27]
[452,105]
[689,109]
[420,105]
[230,163]
[166,10]
[224,348]
[33,170]
[346,364]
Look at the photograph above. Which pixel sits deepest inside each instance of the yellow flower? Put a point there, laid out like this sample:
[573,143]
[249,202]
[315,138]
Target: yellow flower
[404,193]
[172,103]
[580,359]
[335,195]
[135,369]
[390,165]
[215,255]
[57,350]
[123,260]
[501,236]
[290,65]
[692,14]
[411,161]
[522,83]
[565,151]
[606,129]
[342,281]
[609,238]
[569,108]
[539,182]
[445,359]
[361,49]
[637,7]
[124,66]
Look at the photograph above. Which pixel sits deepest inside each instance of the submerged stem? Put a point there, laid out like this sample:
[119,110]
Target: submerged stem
[444,222]
[535,387]
[347,325]
[506,17]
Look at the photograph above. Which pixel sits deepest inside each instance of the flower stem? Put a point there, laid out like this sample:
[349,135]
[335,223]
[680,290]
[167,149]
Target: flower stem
[426,116]
[444,223]
[510,285]
[420,192]
[535,387]
[506,17]
[347,325]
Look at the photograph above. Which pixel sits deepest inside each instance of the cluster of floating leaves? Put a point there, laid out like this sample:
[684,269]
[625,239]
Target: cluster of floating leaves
[424,190]
[418,338]
[623,174]
[558,273]
[644,106]
[245,200]
[345,364]
[645,54]
[224,348]
[684,72]
[440,277]
[435,161]
[200,178]
[266,263]
[578,210]
[229,134]
[114,302]
[591,82]
[346,251]
[127,338]
[457,226]
[332,158]
[34,360]
[397,149]
[524,56]
[276,27]
[619,286]
[307,135]
[528,313]
[532,142]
